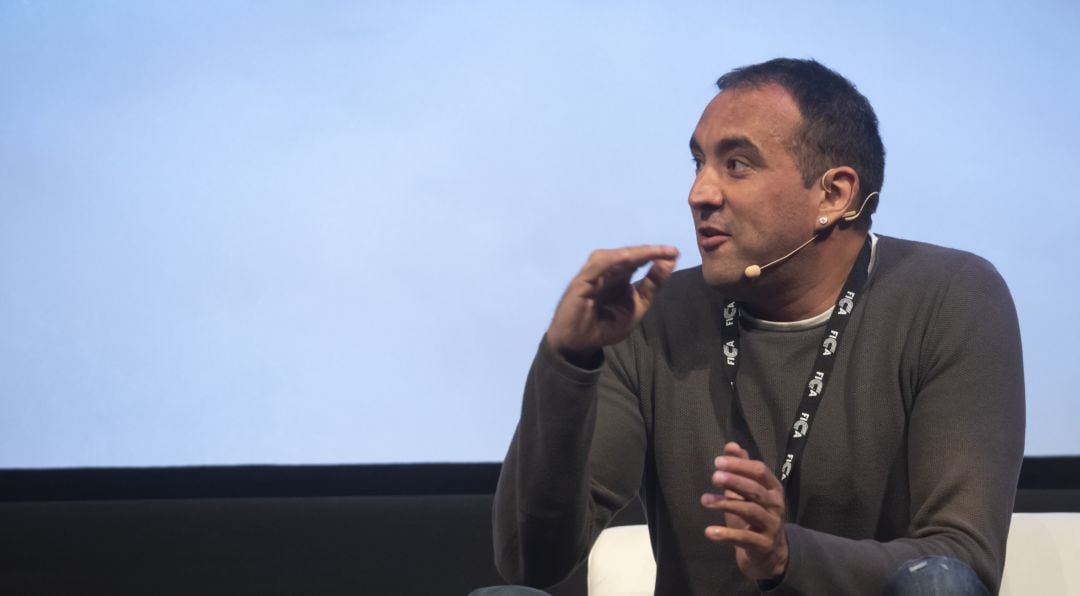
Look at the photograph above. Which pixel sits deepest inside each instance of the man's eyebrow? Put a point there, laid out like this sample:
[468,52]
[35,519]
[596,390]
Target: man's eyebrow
[728,144]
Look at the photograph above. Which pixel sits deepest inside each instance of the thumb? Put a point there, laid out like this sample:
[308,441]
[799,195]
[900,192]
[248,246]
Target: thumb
[658,274]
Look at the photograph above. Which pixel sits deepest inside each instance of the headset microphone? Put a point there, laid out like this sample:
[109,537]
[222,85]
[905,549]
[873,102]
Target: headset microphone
[754,271]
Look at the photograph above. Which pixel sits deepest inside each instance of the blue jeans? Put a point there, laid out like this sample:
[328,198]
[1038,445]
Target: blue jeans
[935,576]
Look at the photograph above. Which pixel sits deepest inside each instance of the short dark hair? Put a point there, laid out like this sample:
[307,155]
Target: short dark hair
[839,126]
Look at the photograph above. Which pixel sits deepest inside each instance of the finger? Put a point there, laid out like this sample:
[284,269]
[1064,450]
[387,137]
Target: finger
[747,539]
[745,487]
[733,449]
[710,500]
[753,514]
[657,276]
[749,468]
[624,260]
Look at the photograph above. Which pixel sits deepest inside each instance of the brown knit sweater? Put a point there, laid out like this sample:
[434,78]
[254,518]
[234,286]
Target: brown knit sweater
[915,448]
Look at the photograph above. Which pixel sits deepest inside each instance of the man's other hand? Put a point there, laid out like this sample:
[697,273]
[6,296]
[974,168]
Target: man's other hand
[752,500]
[601,306]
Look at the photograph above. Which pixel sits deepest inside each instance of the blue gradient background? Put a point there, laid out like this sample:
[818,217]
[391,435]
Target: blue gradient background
[294,232]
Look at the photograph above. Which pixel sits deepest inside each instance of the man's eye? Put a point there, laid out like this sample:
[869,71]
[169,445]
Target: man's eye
[737,166]
[697,164]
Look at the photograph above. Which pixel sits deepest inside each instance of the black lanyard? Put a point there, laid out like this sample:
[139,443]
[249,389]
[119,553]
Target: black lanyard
[823,365]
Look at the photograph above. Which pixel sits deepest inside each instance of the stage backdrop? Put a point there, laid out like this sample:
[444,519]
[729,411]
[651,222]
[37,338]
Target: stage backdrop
[294,232]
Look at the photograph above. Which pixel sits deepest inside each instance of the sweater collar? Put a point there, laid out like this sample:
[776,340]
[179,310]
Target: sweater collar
[753,322]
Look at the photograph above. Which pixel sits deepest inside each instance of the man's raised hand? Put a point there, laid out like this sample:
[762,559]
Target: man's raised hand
[601,306]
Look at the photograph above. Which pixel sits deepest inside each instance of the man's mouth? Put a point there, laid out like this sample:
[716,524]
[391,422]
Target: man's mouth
[710,238]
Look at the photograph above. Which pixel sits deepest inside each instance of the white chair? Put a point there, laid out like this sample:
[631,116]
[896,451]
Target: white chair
[621,562]
[1041,551]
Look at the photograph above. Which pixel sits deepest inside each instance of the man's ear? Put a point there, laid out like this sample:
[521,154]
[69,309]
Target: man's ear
[840,193]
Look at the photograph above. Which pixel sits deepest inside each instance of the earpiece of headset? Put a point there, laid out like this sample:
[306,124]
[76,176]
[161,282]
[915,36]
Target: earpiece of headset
[850,215]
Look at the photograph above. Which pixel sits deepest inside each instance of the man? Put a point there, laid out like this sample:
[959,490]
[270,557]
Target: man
[799,424]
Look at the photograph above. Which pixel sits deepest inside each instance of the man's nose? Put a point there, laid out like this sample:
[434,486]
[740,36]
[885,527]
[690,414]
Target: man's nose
[706,192]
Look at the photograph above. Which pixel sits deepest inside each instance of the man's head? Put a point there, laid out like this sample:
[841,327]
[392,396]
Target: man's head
[762,147]
[839,127]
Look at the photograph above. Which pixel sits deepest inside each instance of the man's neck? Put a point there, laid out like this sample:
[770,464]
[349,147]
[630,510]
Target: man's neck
[811,285]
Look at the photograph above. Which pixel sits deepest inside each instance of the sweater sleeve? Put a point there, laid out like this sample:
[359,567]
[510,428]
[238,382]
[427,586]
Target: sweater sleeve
[965,446]
[576,458]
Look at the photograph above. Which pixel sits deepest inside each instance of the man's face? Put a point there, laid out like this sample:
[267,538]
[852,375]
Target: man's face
[748,199]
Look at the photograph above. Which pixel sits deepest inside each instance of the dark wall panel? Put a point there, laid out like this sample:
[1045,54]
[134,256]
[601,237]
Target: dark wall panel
[371,530]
